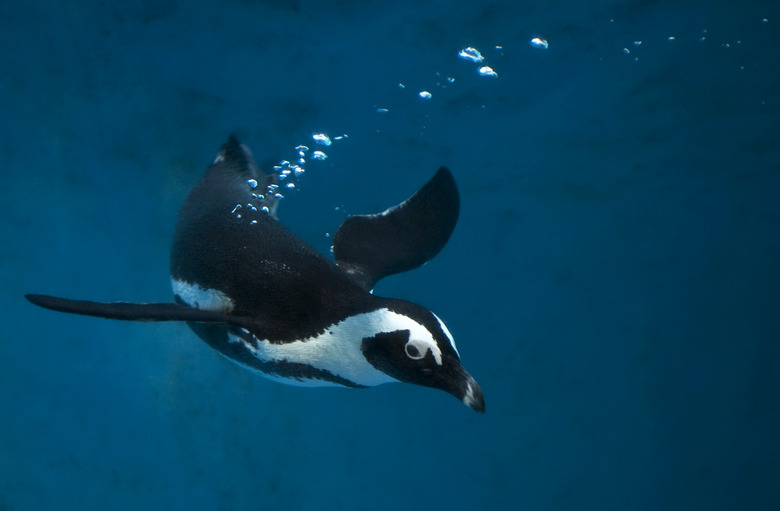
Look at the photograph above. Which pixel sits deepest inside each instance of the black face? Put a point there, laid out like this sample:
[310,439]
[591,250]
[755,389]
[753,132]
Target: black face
[423,362]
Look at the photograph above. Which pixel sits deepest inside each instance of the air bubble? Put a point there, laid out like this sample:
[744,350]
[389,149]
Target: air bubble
[424,94]
[322,139]
[471,54]
[538,42]
[318,155]
[487,71]
[252,183]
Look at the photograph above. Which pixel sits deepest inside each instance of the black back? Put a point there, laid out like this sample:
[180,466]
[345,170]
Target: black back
[289,289]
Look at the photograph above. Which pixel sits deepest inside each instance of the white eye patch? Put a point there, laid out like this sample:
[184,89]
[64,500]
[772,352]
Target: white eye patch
[416,350]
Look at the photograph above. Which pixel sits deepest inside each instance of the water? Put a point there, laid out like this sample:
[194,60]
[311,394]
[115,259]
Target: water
[611,283]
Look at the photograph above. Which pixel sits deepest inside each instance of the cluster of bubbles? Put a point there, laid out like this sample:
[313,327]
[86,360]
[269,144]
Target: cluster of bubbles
[288,173]
[702,38]
[472,54]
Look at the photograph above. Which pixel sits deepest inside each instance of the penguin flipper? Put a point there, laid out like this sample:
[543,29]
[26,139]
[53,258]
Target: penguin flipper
[131,311]
[371,247]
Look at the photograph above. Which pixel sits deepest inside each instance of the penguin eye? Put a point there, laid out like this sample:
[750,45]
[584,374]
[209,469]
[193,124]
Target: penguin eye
[414,352]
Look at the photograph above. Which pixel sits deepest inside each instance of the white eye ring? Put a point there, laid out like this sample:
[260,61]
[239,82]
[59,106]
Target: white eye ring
[413,350]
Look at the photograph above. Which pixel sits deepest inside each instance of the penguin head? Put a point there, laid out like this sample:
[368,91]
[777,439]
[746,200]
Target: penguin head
[420,350]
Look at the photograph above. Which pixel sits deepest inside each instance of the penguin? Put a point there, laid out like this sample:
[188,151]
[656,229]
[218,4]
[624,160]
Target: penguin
[267,300]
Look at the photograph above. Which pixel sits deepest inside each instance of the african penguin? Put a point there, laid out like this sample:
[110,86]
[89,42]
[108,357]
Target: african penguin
[267,300]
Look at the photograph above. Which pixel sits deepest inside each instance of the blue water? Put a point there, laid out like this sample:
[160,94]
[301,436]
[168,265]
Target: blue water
[612,282]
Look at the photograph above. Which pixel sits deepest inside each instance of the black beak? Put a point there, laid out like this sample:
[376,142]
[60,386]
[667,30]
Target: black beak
[462,385]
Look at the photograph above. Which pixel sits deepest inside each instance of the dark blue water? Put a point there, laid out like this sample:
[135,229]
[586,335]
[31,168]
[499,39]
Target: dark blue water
[612,283]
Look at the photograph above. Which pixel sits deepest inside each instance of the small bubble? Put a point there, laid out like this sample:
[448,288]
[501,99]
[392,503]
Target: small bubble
[318,155]
[253,222]
[236,208]
[322,139]
[301,148]
[670,38]
[626,51]
[401,86]
[252,183]
[250,206]
[487,71]
[471,54]
[637,43]
[424,94]
[382,110]
[538,42]
[290,185]
[279,196]
[265,209]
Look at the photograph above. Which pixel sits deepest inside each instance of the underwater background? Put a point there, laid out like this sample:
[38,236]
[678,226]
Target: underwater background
[612,283]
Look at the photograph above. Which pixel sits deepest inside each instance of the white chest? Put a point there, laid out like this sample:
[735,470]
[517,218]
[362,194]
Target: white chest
[337,350]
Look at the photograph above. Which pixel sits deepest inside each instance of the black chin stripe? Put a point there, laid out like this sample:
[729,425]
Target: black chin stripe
[279,368]
[294,370]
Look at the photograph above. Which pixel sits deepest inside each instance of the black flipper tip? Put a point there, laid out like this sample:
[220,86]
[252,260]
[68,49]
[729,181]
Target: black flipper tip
[371,247]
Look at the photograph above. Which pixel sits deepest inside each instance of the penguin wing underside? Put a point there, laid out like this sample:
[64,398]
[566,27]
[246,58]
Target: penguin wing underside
[134,311]
[371,247]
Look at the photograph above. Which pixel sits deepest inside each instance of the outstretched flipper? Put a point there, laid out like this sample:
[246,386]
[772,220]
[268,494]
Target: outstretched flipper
[371,247]
[133,311]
